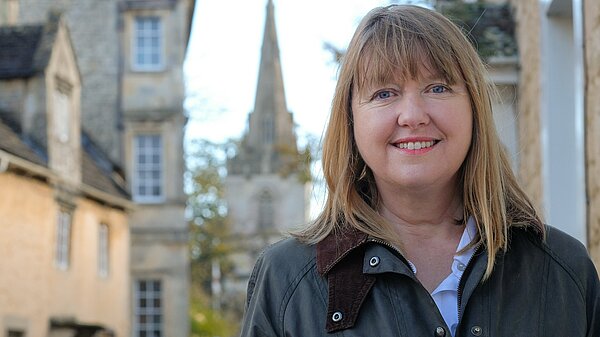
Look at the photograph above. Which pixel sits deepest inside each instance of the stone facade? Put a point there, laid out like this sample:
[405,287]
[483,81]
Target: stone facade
[33,292]
[591,12]
[120,103]
[152,103]
[544,29]
[98,58]
[527,18]
[53,283]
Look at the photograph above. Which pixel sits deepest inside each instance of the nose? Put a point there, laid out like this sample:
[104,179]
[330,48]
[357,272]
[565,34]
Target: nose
[412,111]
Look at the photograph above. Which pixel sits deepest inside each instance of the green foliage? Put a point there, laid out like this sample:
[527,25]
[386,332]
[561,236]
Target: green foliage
[206,322]
[490,26]
[209,233]
[209,227]
[299,162]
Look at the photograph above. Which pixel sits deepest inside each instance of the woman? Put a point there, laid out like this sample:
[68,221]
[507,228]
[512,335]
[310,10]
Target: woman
[425,231]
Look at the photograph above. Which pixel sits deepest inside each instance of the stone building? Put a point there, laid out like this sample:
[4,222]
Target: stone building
[64,231]
[559,112]
[266,187]
[130,55]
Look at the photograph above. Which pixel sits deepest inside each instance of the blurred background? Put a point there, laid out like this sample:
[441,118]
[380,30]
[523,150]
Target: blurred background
[150,149]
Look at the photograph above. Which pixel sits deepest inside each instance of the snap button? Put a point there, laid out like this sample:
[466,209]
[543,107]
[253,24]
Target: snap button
[476,330]
[374,261]
[440,331]
[461,266]
[337,316]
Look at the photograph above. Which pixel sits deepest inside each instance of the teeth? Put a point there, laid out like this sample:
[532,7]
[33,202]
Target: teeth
[415,145]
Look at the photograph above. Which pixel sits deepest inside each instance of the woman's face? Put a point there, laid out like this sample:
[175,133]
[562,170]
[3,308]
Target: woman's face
[414,134]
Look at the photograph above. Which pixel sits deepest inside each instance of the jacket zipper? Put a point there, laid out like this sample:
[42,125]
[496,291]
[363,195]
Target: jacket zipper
[379,241]
[410,265]
[461,286]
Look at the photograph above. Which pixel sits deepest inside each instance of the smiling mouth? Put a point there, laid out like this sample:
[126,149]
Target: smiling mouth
[416,145]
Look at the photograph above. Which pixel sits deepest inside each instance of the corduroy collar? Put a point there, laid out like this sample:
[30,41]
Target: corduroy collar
[336,246]
[347,285]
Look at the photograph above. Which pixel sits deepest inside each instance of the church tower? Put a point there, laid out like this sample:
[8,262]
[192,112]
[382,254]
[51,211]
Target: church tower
[265,189]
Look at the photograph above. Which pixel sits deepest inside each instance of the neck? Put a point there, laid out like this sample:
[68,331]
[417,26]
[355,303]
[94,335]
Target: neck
[424,214]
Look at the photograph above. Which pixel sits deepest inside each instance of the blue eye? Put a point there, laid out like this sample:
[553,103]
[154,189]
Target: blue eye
[383,94]
[439,89]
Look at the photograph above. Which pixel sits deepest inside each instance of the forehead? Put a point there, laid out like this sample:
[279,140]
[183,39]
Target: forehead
[376,67]
[398,46]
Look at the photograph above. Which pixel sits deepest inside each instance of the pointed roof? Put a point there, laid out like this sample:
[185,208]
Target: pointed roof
[270,93]
[270,143]
[97,171]
[270,123]
[25,50]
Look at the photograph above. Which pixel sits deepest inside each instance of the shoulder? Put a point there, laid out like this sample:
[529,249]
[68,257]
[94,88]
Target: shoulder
[564,247]
[567,251]
[287,256]
[281,265]
[571,255]
[565,254]
[277,274]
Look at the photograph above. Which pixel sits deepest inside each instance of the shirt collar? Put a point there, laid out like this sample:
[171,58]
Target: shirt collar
[461,260]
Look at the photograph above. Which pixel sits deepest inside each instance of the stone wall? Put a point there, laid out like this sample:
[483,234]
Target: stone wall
[591,12]
[33,289]
[93,27]
[527,19]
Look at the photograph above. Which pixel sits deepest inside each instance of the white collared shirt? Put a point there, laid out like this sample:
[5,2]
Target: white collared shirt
[446,293]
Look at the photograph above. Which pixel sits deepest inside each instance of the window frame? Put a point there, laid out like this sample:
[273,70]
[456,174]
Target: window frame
[137,181]
[15,332]
[103,250]
[149,50]
[64,229]
[149,295]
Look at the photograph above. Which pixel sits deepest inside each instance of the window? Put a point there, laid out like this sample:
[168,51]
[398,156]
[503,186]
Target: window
[62,116]
[148,309]
[265,211]
[15,333]
[147,44]
[63,240]
[268,129]
[103,250]
[147,176]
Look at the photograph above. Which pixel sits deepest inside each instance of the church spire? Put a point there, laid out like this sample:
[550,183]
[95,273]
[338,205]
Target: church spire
[269,146]
[270,123]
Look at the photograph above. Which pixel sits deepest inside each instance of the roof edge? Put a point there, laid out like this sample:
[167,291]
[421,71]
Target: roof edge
[6,159]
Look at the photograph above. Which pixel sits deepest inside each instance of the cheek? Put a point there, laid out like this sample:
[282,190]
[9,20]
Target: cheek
[464,126]
[369,130]
[361,134]
[366,136]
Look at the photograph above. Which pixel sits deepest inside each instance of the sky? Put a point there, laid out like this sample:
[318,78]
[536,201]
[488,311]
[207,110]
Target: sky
[223,56]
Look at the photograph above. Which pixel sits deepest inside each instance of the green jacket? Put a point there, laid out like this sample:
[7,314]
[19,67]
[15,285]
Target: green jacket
[537,288]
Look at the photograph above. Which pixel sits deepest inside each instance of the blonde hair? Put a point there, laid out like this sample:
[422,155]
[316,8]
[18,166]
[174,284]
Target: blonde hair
[404,38]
